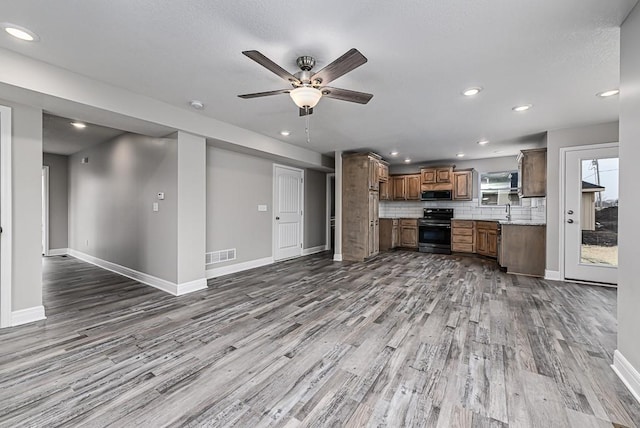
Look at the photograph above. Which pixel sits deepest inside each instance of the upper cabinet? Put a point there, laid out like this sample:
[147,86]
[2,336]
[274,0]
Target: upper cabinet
[406,187]
[436,175]
[374,182]
[462,185]
[383,171]
[532,173]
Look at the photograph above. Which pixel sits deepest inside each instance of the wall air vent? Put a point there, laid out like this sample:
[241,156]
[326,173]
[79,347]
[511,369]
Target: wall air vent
[219,256]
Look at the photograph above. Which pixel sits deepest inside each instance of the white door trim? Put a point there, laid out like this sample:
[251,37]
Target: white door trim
[328,205]
[561,204]
[45,209]
[5,217]
[273,204]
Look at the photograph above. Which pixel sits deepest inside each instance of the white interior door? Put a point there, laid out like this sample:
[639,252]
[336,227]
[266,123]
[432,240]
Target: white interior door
[591,215]
[288,203]
[45,210]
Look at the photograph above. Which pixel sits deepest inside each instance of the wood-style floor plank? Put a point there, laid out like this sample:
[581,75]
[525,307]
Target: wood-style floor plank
[403,340]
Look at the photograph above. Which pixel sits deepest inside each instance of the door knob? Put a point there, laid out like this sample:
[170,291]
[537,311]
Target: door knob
[277,218]
[569,221]
[570,212]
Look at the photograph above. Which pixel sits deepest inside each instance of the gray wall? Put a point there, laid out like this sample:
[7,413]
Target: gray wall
[629,232]
[315,208]
[236,184]
[26,170]
[593,134]
[58,199]
[504,163]
[110,204]
[192,207]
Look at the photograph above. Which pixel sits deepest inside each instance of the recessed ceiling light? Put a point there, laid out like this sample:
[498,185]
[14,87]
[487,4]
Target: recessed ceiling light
[483,142]
[407,160]
[20,32]
[523,107]
[610,93]
[471,91]
[285,133]
[460,155]
[78,125]
[394,153]
[198,105]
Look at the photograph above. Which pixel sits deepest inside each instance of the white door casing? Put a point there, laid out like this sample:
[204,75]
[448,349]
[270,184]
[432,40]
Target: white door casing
[571,215]
[45,210]
[5,217]
[288,197]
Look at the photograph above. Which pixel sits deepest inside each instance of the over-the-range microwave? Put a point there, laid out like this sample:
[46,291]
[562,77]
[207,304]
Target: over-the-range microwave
[435,195]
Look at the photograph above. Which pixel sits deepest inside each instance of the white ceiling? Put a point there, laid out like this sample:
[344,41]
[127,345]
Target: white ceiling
[61,138]
[553,54]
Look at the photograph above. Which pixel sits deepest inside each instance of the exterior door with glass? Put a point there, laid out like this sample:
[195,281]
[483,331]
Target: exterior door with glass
[591,214]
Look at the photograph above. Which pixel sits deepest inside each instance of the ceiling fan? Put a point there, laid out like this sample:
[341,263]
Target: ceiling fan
[309,87]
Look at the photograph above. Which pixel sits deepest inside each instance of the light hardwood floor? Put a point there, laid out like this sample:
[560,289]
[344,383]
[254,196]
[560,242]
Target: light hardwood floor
[407,339]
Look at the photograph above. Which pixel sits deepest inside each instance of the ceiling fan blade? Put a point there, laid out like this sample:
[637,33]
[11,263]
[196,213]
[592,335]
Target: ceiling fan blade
[346,95]
[351,60]
[304,112]
[265,94]
[271,66]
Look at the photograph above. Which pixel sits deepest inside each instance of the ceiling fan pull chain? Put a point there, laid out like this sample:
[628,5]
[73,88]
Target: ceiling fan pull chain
[306,129]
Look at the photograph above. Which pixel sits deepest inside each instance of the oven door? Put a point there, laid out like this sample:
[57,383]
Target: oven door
[434,238]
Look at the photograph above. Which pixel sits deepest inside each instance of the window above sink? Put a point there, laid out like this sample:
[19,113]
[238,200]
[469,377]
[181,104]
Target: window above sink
[499,188]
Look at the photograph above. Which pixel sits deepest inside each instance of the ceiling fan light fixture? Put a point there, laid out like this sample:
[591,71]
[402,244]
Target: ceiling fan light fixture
[306,96]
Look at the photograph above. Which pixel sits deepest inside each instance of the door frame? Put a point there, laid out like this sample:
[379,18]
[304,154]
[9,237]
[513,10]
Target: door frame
[273,216]
[45,209]
[327,241]
[5,217]
[562,205]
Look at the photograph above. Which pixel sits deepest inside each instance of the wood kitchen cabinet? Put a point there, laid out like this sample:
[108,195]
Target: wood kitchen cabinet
[409,233]
[487,238]
[462,185]
[463,236]
[389,233]
[374,182]
[383,171]
[532,173]
[385,190]
[436,175]
[406,187]
[360,222]
[523,249]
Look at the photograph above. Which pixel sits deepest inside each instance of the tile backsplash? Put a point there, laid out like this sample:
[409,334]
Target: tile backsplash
[531,209]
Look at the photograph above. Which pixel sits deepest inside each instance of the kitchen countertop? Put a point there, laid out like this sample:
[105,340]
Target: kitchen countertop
[507,222]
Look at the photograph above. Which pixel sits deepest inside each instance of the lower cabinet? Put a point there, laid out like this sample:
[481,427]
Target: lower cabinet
[474,236]
[463,236]
[523,249]
[409,233]
[389,233]
[487,238]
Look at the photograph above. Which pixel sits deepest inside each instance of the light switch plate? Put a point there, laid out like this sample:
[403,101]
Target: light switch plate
[155,207]
[262,207]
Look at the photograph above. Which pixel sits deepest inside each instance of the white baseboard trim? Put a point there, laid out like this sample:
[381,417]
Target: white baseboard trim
[58,252]
[154,281]
[553,275]
[238,267]
[191,286]
[337,257]
[25,316]
[314,250]
[627,373]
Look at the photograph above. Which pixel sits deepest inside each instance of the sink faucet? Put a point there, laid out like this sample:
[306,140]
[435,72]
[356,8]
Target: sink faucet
[508,211]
